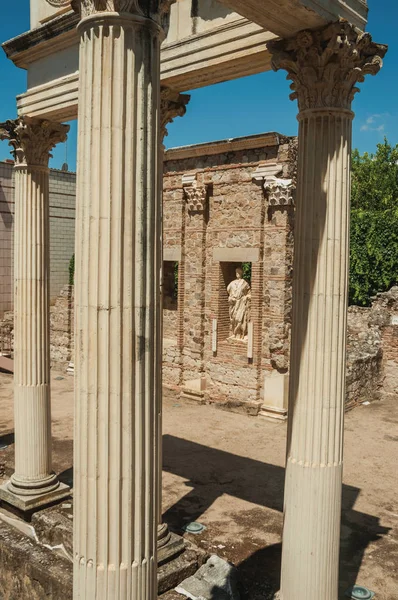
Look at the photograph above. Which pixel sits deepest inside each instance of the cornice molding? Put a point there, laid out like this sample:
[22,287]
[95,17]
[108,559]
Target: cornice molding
[221,147]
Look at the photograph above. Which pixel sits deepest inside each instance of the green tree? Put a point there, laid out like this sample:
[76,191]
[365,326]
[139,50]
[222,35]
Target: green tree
[374,223]
[375,178]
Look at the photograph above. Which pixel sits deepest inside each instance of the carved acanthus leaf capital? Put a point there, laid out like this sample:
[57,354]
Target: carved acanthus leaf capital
[326,64]
[195,193]
[196,197]
[156,9]
[172,105]
[280,192]
[32,139]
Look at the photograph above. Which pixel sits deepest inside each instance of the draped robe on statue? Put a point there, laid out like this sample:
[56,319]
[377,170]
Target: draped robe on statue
[239,307]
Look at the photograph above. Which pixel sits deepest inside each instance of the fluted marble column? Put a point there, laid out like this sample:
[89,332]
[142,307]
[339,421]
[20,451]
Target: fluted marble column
[324,65]
[172,105]
[33,483]
[117,302]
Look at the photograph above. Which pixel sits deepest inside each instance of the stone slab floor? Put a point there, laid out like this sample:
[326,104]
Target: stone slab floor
[226,471]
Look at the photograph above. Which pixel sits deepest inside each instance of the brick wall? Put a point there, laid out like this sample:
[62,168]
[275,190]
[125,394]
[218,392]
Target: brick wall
[6,236]
[62,228]
[62,231]
[234,224]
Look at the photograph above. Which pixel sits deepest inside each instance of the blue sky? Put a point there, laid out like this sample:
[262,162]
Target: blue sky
[243,106]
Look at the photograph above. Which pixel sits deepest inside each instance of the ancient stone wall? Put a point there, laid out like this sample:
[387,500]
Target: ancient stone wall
[217,216]
[364,358]
[61,327]
[372,349]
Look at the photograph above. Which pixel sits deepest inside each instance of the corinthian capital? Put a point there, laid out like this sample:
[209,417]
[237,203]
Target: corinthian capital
[326,64]
[172,105]
[150,8]
[32,139]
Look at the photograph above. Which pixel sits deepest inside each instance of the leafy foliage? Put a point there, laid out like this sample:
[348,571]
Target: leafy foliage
[374,223]
[375,178]
[374,253]
[247,271]
[72,270]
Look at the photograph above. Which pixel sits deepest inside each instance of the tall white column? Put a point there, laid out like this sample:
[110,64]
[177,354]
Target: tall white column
[33,484]
[117,302]
[324,65]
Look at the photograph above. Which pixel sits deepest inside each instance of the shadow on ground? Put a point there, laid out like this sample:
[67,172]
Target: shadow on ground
[6,439]
[212,473]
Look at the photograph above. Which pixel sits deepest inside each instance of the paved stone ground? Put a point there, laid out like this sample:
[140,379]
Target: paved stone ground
[226,471]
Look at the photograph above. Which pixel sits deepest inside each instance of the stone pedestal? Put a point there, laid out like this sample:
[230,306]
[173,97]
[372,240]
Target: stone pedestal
[33,484]
[324,66]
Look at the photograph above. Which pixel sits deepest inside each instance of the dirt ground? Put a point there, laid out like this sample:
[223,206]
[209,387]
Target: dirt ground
[227,470]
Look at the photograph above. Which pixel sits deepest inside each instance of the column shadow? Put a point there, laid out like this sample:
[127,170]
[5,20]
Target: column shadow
[212,473]
[6,439]
[5,210]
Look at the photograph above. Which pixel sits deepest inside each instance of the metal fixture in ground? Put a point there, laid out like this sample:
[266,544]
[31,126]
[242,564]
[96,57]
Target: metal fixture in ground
[194,527]
[359,592]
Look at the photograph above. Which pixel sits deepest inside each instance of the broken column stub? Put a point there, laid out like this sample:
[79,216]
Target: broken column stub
[217,579]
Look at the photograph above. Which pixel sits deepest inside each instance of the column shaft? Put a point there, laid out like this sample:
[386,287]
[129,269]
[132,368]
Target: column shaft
[324,65]
[32,343]
[317,378]
[33,484]
[117,310]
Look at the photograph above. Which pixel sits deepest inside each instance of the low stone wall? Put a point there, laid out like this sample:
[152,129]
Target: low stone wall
[29,570]
[364,358]
[372,349]
[384,316]
[61,327]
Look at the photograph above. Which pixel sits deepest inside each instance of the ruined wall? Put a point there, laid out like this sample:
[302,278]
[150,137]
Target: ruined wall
[364,358]
[216,217]
[372,349]
[61,327]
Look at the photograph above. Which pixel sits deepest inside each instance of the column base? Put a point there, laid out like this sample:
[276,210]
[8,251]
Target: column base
[28,504]
[177,559]
[170,545]
[271,412]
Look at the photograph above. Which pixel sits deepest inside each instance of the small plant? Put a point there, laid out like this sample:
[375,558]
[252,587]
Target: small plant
[72,270]
[247,272]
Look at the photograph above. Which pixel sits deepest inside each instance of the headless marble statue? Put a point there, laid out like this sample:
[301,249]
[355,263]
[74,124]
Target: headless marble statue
[239,305]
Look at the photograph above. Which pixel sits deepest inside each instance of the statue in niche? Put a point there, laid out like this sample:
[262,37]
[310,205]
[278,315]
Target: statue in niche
[239,305]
